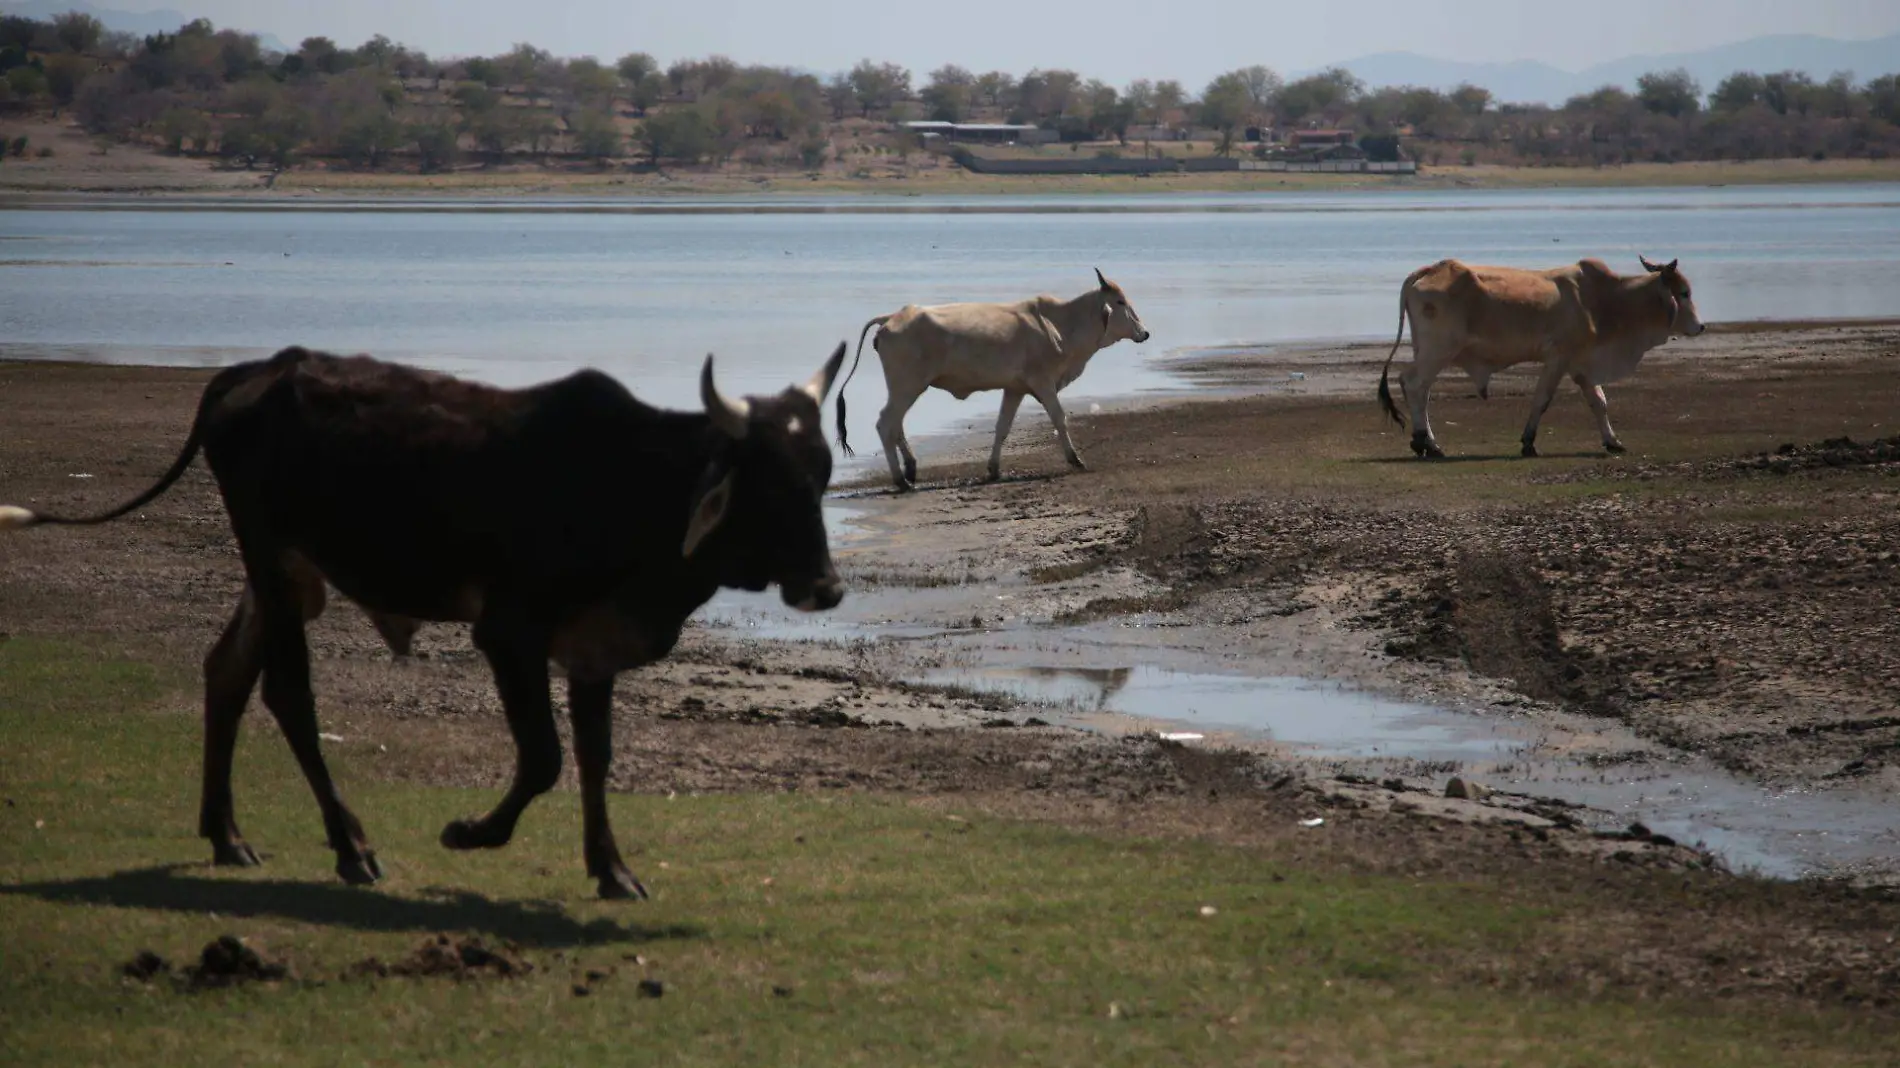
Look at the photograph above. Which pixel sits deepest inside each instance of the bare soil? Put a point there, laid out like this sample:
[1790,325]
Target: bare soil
[1293,526]
[84,164]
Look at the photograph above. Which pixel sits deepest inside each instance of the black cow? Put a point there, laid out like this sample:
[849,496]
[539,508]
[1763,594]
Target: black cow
[568,522]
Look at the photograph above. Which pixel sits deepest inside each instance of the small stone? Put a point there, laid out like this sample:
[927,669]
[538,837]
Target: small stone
[1466,790]
[1209,910]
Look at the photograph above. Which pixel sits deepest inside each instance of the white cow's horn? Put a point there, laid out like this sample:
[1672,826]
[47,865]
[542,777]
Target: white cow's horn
[728,415]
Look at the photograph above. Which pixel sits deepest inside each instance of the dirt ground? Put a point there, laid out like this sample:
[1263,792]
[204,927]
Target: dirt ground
[82,164]
[1714,592]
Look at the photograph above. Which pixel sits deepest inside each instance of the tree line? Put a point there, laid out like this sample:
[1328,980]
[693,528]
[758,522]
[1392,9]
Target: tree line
[220,92]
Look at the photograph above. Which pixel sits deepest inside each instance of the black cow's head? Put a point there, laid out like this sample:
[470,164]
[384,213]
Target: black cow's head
[757,512]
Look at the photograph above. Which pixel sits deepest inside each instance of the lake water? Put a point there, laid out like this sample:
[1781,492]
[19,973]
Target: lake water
[518,291]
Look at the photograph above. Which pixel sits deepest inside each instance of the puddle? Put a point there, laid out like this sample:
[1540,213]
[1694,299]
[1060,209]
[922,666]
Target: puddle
[1299,713]
[1774,833]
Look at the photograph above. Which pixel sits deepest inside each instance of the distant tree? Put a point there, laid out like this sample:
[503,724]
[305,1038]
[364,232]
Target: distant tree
[840,96]
[1471,99]
[18,31]
[78,32]
[1322,96]
[1140,98]
[65,73]
[239,54]
[681,134]
[1169,97]
[994,88]
[947,95]
[436,144]
[321,55]
[180,124]
[647,92]
[486,71]
[475,99]
[1788,91]
[878,86]
[1738,91]
[379,53]
[1262,85]
[368,135]
[1674,93]
[596,137]
[634,67]
[1835,98]
[592,85]
[1882,98]
[27,82]
[1225,104]
[1046,95]
[1381,148]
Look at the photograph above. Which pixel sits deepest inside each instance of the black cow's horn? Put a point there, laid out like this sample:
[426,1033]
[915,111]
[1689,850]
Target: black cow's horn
[728,415]
[1648,266]
[820,383]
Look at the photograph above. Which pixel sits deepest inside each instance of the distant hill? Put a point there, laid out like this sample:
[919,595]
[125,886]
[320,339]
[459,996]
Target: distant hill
[143,23]
[1540,83]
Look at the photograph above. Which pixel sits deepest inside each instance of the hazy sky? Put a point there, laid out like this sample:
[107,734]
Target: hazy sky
[1115,40]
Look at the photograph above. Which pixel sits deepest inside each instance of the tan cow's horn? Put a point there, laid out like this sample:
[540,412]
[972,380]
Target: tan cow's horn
[1099,278]
[728,415]
[820,383]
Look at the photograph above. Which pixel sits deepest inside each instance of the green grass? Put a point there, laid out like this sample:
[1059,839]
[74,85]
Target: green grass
[903,936]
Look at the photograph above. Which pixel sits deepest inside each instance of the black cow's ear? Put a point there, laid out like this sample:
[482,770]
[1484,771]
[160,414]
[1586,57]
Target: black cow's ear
[708,514]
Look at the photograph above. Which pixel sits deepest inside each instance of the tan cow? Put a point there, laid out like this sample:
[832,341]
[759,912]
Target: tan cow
[1034,347]
[1584,321]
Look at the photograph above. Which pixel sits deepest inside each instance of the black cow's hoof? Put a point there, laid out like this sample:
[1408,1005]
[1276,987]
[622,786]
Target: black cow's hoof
[905,487]
[359,871]
[910,471]
[1076,462]
[234,855]
[993,476]
[471,834]
[1615,447]
[1529,451]
[620,885]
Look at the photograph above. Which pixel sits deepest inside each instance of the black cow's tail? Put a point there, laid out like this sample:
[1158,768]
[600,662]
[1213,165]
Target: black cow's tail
[844,443]
[1385,382]
[13,517]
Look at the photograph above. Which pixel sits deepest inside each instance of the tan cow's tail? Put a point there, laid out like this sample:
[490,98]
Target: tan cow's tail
[1385,374]
[13,517]
[844,444]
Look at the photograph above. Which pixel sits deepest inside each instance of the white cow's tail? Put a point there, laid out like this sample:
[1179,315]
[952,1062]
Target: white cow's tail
[844,443]
[1385,384]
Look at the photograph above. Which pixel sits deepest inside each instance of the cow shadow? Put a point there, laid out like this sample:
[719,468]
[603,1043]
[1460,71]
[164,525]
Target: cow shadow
[1468,458]
[174,888]
[940,485]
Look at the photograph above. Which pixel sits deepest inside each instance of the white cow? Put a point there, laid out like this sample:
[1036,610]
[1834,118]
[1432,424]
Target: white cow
[1584,321]
[1034,347]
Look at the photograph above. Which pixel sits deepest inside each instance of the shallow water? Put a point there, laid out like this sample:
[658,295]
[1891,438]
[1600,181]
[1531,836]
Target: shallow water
[515,291]
[1777,833]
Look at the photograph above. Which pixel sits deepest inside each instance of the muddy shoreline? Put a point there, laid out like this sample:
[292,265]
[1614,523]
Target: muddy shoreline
[1494,620]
